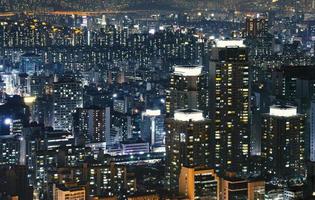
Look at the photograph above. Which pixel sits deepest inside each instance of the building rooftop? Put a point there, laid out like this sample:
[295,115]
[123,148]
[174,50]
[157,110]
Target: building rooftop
[188,114]
[188,70]
[229,43]
[152,112]
[283,111]
[70,187]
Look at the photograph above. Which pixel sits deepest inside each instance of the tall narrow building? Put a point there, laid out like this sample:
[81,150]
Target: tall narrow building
[187,144]
[187,89]
[67,97]
[229,100]
[283,144]
[152,127]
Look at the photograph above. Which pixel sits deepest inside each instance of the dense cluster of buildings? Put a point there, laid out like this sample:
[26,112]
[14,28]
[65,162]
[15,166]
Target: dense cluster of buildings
[219,106]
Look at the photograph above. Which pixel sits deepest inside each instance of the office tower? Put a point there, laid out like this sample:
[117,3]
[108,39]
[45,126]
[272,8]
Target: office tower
[232,187]
[229,94]
[199,183]
[187,89]
[91,125]
[68,192]
[67,96]
[187,144]
[152,127]
[256,27]
[283,144]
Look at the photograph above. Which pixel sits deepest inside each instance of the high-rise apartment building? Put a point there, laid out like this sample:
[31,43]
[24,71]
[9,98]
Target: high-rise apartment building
[283,144]
[229,100]
[67,97]
[296,85]
[187,144]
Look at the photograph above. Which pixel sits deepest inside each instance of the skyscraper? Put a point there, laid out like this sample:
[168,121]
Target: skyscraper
[187,144]
[67,96]
[296,85]
[187,89]
[229,100]
[283,144]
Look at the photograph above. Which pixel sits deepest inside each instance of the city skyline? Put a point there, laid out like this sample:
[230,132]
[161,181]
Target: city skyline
[157,100]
